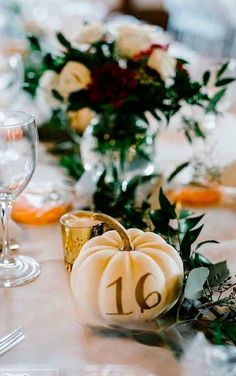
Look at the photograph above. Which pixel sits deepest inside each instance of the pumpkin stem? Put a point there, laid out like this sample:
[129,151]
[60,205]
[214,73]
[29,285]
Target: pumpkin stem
[114,224]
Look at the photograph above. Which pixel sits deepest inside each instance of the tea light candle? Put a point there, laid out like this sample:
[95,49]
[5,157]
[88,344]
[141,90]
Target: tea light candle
[77,228]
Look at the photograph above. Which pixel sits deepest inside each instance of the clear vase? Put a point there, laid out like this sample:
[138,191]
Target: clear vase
[132,162]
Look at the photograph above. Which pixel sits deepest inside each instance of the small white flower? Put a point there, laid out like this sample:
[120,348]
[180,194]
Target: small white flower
[73,77]
[90,33]
[165,64]
[47,83]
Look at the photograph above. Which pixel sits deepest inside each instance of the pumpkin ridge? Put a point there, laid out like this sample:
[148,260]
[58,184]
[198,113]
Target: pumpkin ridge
[107,252]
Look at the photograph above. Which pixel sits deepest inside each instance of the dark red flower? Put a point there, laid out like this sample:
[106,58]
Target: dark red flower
[181,68]
[111,84]
[147,53]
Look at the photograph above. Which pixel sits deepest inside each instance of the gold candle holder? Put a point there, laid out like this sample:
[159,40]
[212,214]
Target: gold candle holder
[77,228]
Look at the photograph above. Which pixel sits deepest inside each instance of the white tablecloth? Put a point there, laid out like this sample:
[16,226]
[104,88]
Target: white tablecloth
[54,338]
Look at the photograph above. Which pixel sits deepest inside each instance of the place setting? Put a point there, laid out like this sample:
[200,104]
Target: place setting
[117,194]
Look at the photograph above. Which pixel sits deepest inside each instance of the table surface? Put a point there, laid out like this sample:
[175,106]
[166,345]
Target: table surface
[45,307]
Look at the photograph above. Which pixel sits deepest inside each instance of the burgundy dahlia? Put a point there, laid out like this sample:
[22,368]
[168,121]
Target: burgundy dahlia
[111,84]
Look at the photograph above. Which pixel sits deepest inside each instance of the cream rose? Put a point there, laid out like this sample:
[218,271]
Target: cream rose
[47,83]
[81,119]
[90,33]
[131,40]
[73,77]
[162,62]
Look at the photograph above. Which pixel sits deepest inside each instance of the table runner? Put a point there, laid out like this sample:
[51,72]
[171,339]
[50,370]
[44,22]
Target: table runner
[54,338]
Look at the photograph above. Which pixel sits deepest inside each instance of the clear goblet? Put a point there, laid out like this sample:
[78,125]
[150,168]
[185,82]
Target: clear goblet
[18,154]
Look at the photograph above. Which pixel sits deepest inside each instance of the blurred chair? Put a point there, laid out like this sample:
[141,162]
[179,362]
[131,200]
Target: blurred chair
[200,25]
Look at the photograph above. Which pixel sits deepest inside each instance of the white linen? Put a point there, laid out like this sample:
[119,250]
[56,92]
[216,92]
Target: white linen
[45,307]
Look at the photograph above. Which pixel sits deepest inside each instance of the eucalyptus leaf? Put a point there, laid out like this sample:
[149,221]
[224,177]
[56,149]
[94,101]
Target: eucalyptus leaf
[219,272]
[195,283]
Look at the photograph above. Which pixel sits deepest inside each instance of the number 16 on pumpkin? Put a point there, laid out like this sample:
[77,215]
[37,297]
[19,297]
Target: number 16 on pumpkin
[141,299]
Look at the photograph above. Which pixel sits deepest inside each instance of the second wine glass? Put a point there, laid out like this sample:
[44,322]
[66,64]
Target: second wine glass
[18,155]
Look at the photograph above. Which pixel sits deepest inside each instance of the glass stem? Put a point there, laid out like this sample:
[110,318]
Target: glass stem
[6,257]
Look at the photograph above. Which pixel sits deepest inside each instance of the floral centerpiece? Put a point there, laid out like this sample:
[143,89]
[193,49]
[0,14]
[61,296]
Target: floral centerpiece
[118,80]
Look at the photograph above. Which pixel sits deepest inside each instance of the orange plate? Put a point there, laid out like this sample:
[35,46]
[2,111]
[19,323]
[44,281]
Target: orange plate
[196,196]
[25,213]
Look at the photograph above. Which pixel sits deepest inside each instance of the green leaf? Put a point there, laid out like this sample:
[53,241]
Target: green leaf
[168,338]
[185,246]
[57,95]
[195,233]
[219,272]
[222,69]
[184,213]
[215,100]
[190,223]
[206,77]
[229,329]
[73,164]
[224,81]
[198,131]
[182,61]
[166,206]
[34,42]
[197,260]
[177,171]
[207,242]
[63,41]
[195,283]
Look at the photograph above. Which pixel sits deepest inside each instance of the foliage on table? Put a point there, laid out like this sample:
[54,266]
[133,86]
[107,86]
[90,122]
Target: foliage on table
[207,302]
[121,78]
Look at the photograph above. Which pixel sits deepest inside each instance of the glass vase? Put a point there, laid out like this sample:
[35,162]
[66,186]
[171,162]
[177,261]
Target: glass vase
[128,160]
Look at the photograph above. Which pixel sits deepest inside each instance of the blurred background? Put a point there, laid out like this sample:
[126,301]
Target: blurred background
[207,26]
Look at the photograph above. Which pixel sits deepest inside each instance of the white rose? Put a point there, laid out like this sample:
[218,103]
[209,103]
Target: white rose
[90,33]
[81,119]
[73,77]
[162,62]
[47,83]
[131,40]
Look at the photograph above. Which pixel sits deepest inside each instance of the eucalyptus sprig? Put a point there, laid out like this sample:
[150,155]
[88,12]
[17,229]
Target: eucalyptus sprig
[207,302]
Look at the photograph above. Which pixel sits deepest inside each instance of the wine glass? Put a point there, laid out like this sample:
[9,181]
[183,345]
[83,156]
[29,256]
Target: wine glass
[18,154]
[11,78]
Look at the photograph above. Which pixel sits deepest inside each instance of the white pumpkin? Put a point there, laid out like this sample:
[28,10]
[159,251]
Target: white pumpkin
[124,277]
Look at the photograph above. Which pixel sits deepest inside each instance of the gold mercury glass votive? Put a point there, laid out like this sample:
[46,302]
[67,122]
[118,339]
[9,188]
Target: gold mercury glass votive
[77,228]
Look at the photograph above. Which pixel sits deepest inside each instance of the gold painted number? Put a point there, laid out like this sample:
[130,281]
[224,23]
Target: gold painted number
[139,296]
